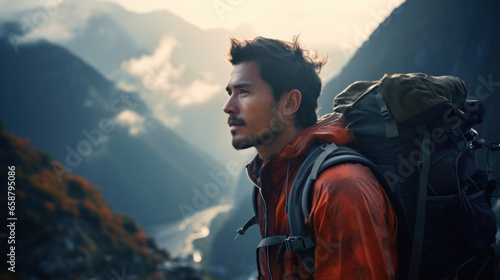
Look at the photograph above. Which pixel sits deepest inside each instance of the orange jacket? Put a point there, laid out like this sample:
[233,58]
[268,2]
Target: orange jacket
[351,220]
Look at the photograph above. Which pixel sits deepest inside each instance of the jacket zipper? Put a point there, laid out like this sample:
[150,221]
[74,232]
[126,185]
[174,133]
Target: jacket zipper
[265,228]
[259,186]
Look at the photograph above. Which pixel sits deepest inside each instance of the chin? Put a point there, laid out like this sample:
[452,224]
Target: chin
[241,144]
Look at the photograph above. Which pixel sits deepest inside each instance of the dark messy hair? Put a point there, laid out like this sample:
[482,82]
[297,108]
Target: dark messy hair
[284,66]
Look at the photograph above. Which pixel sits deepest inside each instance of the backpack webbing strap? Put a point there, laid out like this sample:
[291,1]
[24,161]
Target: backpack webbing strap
[272,240]
[418,236]
[292,243]
[391,128]
[288,243]
[252,221]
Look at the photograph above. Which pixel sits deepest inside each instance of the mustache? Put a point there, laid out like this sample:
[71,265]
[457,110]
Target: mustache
[235,119]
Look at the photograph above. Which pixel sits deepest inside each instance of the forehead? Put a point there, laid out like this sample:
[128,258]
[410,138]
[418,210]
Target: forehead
[245,72]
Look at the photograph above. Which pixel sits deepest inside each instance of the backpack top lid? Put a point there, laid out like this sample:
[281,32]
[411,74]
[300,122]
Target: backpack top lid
[409,96]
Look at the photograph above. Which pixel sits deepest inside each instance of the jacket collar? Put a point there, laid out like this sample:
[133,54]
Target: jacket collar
[330,128]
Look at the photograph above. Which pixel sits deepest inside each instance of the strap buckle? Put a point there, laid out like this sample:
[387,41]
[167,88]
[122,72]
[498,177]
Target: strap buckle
[296,243]
[386,114]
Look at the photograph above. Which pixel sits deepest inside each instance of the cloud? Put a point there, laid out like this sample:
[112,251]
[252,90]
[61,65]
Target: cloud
[159,75]
[134,121]
[170,122]
[55,20]
[161,112]
[199,91]
[155,70]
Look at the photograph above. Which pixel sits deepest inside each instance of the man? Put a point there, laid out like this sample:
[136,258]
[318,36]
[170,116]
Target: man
[273,90]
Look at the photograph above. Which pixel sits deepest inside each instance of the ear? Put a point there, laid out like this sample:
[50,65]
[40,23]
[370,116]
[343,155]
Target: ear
[291,102]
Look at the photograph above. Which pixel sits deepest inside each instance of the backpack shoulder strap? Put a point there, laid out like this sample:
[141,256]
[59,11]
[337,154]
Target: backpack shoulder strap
[299,240]
[319,159]
[299,206]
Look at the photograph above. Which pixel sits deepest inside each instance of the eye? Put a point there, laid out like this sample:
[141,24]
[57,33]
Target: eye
[244,91]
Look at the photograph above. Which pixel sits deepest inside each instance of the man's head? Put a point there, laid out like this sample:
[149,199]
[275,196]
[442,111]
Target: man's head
[282,80]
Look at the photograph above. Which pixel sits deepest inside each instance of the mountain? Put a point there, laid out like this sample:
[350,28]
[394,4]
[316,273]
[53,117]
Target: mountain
[66,108]
[446,37]
[65,229]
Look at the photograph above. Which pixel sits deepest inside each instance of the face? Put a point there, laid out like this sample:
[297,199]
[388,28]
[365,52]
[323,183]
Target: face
[254,117]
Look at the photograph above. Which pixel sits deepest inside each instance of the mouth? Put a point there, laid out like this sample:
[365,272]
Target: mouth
[235,124]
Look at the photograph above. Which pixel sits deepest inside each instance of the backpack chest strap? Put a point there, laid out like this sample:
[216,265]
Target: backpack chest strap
[288,243]
[292,243]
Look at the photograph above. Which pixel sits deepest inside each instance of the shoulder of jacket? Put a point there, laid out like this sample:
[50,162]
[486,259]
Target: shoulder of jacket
[346,177]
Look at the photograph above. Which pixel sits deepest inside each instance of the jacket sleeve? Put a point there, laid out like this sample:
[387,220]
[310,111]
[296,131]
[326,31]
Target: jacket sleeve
[354,225]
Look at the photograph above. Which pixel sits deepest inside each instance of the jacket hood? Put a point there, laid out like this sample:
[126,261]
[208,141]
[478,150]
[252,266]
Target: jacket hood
[330,128]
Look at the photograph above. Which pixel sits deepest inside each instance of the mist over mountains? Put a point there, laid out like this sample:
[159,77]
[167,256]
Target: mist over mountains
[109,136]
[77,97]
[179,67]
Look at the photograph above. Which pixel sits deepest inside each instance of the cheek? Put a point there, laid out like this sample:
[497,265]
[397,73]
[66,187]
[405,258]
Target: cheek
[259,115]
[262,121]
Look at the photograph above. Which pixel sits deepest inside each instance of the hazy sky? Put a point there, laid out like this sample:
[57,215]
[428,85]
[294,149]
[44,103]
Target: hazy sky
[333,27]
[321,22]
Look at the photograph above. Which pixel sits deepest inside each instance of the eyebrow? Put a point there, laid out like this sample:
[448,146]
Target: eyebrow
[237,86]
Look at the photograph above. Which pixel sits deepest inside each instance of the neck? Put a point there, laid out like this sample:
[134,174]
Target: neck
[280,140]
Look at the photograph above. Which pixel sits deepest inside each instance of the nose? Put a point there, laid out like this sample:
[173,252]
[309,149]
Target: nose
[231,106]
